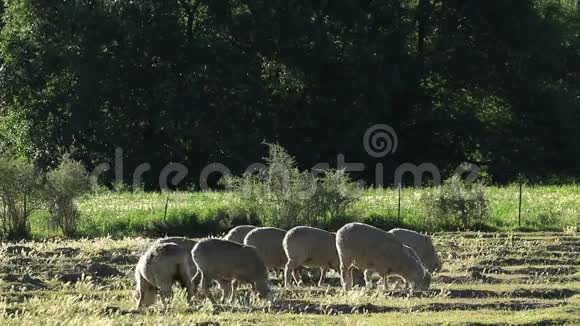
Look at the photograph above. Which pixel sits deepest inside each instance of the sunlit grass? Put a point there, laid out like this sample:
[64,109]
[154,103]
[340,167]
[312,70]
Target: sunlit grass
[132,214]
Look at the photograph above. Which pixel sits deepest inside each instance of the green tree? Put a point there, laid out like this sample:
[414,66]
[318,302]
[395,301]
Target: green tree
[196,81]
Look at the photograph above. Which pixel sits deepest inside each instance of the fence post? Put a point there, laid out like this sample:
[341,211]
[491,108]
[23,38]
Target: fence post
[520,206]
[399,206]
[166,205]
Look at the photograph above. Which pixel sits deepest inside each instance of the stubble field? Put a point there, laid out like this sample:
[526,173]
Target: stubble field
[487,278]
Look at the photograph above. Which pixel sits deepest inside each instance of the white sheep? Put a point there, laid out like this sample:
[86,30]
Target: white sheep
[186,244]
[238,233]
[422,244]
[311,247]
[227,262]
[373,250]
[268,243]
[158,268]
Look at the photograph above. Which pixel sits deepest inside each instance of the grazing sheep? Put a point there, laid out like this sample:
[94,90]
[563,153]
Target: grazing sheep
[311,247]
[158,268]
[422,244]
[366,247]
[186,244]
[238,233]
[268,243]
[227,262]
[369,276]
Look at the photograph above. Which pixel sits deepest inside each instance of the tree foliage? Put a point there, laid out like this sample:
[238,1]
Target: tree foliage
[494,82]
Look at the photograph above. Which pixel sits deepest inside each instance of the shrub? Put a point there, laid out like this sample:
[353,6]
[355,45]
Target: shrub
[456,205]
[64,184]
[334,193]
[281,195]
[19,186]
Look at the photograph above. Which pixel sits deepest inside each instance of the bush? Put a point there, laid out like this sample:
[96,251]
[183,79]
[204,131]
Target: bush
[456,205]
[334,194]
[283,196]
[63,185]
[19,186]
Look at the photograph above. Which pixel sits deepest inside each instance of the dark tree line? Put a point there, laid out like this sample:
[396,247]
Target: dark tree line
[493,82]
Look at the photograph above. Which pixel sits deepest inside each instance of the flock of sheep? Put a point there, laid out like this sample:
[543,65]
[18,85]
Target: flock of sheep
[246,253]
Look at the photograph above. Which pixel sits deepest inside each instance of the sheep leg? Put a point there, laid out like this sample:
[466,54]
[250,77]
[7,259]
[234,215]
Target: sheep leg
[322,274]
[204,284]
[345,275]
[385,281]
[196,274]
[146,293]
[165,291]
[350,278]
[289,270]
[186,280]
[196,279]
[297,276]
[368,278]
[233,290]
[226,288]
[274,272]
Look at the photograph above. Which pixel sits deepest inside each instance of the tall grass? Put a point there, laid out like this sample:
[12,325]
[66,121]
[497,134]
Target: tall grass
[120,214]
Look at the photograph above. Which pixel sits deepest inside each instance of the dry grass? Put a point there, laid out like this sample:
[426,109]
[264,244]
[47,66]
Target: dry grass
[509,291]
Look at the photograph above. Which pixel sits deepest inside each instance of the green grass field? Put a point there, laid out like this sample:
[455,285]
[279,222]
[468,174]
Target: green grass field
[133,214]
[486,279]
